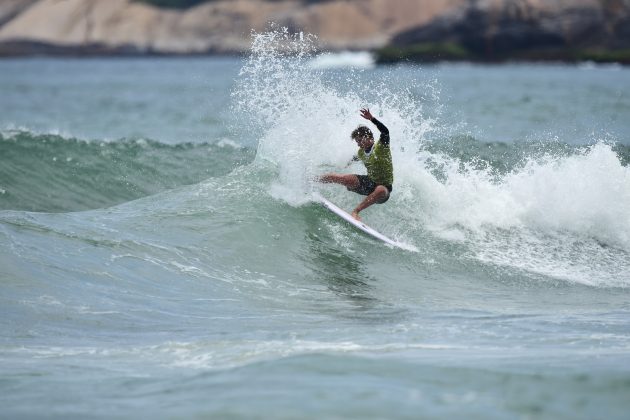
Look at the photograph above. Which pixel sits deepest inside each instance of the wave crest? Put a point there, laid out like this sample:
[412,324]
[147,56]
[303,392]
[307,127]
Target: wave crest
[52,173]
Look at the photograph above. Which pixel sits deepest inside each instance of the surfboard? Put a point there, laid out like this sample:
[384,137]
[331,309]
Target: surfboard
[361,225]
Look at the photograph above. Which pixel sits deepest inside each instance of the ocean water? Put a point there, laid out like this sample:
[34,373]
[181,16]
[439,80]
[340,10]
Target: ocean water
[161,255]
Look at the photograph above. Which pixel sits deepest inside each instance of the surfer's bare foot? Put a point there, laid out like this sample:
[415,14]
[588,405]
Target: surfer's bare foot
[355,214]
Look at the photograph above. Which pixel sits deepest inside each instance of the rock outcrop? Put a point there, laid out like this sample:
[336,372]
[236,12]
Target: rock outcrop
[480,28]
[9,9]
[497,28]
[216,26]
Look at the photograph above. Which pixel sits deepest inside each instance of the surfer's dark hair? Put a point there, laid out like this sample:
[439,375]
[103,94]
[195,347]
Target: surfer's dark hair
[361,131]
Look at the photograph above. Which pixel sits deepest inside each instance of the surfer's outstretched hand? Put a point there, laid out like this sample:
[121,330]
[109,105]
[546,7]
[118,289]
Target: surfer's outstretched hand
[365,113]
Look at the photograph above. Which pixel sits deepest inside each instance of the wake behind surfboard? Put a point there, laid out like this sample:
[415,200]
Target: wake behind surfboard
[360,225]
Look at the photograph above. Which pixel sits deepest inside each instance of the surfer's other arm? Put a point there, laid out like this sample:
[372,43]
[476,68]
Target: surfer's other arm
[355,158]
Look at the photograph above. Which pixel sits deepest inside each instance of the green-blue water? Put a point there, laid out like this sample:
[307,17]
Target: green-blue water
[160,255]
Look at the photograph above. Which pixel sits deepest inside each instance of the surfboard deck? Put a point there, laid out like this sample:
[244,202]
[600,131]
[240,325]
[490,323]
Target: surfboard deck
[360,225]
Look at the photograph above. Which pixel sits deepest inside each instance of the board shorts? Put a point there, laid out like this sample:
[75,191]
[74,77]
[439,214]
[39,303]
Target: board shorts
[367,187]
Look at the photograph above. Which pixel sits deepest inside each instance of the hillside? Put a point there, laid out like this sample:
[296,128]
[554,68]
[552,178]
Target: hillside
[126,26]
[411,29]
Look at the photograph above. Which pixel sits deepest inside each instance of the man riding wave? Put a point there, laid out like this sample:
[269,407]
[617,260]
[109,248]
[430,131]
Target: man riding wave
[377,158]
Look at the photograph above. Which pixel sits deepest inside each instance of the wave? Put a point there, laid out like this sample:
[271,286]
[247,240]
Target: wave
[229,233]
[52,173]
[502,199]
[490,211]
[502,158]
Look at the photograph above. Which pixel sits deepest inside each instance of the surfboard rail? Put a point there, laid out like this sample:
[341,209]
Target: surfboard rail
[360,225]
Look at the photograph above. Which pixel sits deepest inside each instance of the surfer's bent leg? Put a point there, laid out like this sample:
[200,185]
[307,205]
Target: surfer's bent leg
[379,195]
[349,181]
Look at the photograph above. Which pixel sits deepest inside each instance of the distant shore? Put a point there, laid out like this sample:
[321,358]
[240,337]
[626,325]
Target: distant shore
[432,52]
[394,31]
[41,49]
[420,53]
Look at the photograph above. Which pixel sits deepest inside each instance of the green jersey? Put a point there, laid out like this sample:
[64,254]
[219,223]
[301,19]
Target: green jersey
[378,161]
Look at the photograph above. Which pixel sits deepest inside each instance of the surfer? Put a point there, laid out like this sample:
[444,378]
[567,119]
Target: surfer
[377,158]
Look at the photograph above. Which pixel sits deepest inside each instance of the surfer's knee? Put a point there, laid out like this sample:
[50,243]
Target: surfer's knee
[381,194]
[381,191]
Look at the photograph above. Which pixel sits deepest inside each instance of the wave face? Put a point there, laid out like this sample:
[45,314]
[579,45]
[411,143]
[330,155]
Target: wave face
[202,280]
[52,173]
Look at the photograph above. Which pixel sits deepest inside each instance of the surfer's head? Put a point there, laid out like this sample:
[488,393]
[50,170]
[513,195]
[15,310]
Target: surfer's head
[363,136]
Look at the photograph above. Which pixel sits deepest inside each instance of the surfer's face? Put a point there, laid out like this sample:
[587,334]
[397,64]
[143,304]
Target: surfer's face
[364,142]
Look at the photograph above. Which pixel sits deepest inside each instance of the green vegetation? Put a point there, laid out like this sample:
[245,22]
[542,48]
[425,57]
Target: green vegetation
[603,56]
[569,55]
[431,52]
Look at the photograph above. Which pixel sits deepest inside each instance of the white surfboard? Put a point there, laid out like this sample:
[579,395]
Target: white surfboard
[360,225]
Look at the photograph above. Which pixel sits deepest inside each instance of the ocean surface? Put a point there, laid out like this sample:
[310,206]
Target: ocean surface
[161,255]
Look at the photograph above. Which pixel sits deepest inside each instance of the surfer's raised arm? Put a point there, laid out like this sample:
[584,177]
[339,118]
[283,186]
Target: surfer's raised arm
[384,139]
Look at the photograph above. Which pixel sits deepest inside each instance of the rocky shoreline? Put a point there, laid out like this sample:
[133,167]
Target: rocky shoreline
[431,53]
[396,30]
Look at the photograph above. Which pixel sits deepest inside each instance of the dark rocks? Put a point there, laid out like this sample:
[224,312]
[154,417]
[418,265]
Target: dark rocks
[520,28]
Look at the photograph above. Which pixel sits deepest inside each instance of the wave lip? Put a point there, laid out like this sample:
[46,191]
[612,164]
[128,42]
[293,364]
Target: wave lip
[585,193]
[54,173]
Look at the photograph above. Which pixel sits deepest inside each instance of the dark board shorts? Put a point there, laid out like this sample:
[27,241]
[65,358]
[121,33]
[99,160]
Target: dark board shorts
[367,187]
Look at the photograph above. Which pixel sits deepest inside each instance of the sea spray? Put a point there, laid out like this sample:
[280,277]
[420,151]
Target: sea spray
[303,120]
[294,116]
[586,193]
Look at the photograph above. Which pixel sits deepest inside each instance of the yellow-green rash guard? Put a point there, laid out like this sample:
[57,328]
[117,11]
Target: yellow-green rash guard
[378,161]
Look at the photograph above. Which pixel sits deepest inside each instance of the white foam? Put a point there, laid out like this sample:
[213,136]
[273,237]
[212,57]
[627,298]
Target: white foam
[225,142]
[587,194]
[344,59]
[303,123]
